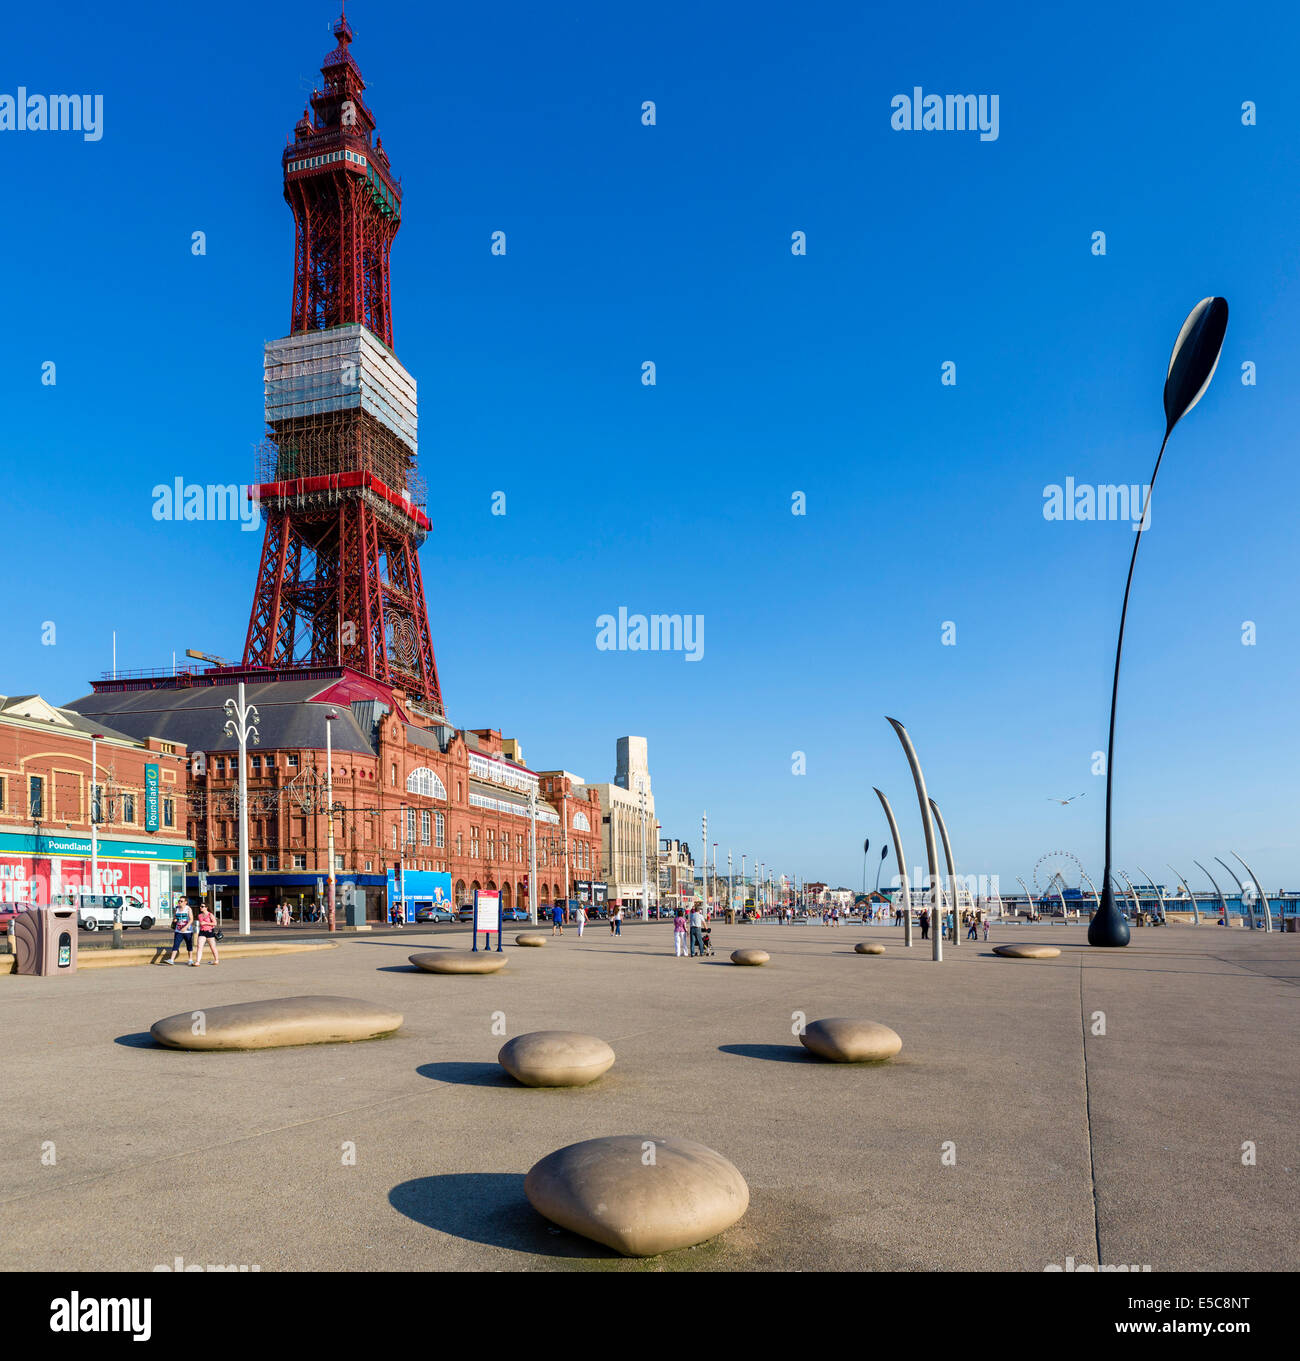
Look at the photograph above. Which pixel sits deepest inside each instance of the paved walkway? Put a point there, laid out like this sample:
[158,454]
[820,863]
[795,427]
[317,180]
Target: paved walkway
[409,1153]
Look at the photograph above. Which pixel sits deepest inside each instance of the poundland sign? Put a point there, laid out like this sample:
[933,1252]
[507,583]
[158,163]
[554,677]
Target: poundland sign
[16,843]
[151,798]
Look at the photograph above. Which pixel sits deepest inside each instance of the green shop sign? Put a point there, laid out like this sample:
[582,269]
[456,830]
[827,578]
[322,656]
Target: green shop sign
[18,843]
[151,798]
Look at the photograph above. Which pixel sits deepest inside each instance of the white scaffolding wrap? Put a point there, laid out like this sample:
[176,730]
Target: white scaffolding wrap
[335,370]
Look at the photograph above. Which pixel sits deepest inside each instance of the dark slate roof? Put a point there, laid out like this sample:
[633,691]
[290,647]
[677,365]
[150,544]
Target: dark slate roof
[287,717]
[88,726]
[424,737]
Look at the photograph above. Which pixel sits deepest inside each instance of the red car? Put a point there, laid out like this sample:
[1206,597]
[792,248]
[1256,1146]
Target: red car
[8,911]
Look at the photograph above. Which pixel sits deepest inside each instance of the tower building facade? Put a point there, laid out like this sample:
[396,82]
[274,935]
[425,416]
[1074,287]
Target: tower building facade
[339,580]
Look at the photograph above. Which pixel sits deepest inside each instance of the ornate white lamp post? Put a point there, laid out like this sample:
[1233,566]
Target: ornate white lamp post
[241,720]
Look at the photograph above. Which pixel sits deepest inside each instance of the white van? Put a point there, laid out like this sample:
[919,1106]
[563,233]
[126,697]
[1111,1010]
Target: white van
[96,910]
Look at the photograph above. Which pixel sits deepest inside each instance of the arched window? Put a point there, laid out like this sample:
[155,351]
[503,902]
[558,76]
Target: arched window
[580,823]
[424,781]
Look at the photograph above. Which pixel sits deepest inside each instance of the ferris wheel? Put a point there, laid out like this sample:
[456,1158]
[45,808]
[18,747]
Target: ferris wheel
[1058,871]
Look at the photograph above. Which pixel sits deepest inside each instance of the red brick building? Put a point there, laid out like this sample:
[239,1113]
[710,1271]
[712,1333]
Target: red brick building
[48,793]
[406,789]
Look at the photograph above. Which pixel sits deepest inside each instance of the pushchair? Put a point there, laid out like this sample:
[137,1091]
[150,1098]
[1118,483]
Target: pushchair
[706,939]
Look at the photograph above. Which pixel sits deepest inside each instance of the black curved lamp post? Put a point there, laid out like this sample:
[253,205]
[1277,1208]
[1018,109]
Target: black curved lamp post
[866,846]
[1191,366]
[884,851]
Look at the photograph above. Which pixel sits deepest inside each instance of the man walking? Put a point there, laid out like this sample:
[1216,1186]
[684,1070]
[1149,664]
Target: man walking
[925,923]
[557,920]
[697,932]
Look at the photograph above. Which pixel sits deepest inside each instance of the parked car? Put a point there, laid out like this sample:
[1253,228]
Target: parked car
[514,914]
[8,911]
[434,913]
[466,913]
[99,909]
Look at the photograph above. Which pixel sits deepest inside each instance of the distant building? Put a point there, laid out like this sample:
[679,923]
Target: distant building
[628,823]
[676,873]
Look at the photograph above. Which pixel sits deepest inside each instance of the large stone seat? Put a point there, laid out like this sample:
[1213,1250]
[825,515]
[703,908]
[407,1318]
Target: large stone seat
[1026,951]
[459,961]
[750,957]
[638,1194]
[844,1040]
[869,947]
[555,1058]
[534,938]
[275,1023]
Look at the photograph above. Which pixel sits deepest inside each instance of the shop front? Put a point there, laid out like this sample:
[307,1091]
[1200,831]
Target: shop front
[305,895]
[38,869]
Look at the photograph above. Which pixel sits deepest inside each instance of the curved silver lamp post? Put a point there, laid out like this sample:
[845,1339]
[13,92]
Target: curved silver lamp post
[1132,892]
[1247,913]
[927,824]
[1261,896]
[1191,366]
[1196,912]
[1160,896]
[902,869]
[1223,902]
[952,872]
[1095,896]
[1029,897]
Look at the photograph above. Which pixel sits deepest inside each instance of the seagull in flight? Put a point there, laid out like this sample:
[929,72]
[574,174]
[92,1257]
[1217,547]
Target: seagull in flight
[1071,799]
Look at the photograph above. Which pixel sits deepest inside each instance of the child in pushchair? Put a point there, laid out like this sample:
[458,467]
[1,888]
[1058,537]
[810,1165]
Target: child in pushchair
[706,938]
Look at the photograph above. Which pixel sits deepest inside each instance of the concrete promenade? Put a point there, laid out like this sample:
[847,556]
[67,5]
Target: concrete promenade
[1124,1147]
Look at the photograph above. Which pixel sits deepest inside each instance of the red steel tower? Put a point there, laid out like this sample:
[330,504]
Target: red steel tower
[339,580]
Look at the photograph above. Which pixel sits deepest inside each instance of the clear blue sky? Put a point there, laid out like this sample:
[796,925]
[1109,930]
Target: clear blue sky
[775,373]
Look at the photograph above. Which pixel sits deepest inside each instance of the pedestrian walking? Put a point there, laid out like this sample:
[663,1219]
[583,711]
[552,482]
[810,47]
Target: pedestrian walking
[679,932]
[924,919]
[697,932]
[182,930]
[617,920]
[208,932]
[581,916]
[986,928]
[557,920]
[972,930]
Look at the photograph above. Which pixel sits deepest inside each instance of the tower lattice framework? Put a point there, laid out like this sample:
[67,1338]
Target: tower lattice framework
[339,580]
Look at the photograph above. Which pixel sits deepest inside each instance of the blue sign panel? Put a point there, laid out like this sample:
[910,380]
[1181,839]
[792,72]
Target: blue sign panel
[418,888]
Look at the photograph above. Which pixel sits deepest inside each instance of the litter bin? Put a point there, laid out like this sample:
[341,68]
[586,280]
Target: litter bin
[45,940]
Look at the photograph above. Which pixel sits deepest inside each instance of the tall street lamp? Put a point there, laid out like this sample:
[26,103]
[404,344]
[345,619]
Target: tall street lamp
[330,716]
[241,721]
[1191,366]
[1223,902]
[927,825]
[952,869]
[532,853]
[1247,913]
[902,869]
[95,812]
[1196,914]
[1261,896]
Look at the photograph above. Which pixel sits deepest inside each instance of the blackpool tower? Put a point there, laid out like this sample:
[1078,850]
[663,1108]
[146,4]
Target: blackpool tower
[339,581]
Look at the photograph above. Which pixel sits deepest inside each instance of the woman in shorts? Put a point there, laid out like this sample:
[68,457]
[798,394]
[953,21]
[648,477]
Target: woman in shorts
[207,932]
